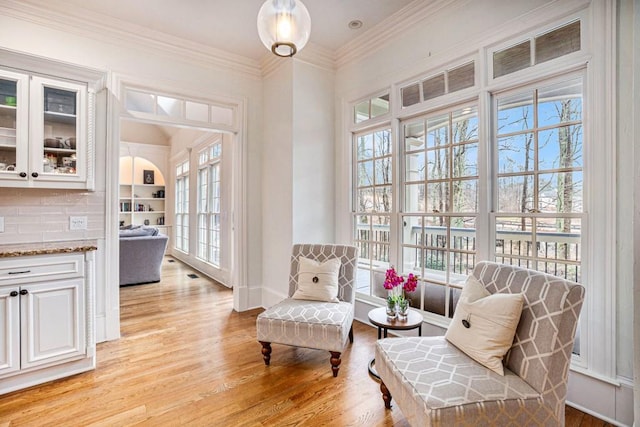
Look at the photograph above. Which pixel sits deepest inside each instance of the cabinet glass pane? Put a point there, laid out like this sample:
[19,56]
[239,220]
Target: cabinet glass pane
[60,130]
[8,108]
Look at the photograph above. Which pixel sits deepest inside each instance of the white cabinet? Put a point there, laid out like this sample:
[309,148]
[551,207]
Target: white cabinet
[46,132]
[44,306]
[52,324]
[10,330]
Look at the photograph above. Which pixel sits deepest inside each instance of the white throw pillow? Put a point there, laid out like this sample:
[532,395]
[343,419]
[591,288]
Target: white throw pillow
[318,281]
[484,324]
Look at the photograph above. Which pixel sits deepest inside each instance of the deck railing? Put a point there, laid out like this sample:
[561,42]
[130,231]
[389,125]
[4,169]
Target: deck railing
[554,253]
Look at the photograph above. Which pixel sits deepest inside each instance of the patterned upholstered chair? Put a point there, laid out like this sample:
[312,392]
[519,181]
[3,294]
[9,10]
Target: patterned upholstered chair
[313,324]
[435,384]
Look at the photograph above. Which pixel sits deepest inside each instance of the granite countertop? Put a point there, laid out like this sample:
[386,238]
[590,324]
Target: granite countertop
[25,249]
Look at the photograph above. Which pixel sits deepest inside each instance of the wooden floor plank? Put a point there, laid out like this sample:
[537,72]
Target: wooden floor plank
[186,358]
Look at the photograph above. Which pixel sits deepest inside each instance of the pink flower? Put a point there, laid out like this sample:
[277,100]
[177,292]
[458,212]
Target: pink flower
[411,284]
[392,280]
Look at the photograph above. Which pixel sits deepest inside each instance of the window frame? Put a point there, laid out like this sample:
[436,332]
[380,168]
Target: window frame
[213,160]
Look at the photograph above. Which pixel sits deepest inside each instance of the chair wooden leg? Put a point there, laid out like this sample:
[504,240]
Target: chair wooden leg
[351,334]
[266,352]
[386,395]
[335,362]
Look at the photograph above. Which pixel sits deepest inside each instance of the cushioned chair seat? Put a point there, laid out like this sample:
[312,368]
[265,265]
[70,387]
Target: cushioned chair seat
[312,324]
[434,381]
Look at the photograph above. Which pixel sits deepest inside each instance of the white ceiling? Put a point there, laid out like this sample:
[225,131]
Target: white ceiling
[231,24]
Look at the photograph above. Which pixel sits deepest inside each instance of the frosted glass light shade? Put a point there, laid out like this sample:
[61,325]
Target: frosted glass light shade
[284,26]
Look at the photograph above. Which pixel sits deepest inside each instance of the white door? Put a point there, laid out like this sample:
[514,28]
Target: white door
[52,322]
[9,330]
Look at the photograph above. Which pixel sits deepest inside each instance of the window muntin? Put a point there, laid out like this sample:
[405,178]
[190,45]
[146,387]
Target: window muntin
[539,183]
[182,207]
[209,209]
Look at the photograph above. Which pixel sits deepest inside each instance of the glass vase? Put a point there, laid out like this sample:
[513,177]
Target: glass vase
[402,308]
[391,308]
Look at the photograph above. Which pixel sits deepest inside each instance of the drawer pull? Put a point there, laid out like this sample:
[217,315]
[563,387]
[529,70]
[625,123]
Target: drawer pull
[20,272]
[13,293]
[24,292]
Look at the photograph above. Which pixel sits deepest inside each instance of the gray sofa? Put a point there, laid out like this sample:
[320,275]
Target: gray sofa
[141,252]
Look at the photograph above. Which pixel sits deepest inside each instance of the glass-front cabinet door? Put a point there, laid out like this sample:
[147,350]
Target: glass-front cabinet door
[58,133]
[44,137]
[14,132]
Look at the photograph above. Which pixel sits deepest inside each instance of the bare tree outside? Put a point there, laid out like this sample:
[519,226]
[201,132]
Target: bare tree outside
[539,142]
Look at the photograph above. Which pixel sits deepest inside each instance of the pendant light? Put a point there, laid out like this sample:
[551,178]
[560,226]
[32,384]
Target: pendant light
[284,26]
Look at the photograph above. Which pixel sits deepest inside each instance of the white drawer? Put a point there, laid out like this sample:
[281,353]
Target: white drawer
[39,268]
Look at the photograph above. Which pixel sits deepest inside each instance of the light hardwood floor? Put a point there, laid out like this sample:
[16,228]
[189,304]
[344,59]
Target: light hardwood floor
[186,358]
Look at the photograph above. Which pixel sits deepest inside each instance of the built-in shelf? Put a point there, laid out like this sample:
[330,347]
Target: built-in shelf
[140,203]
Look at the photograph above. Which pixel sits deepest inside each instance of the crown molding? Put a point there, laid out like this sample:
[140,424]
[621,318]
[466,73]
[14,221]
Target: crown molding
[312,54]
[398,23]
[114,31]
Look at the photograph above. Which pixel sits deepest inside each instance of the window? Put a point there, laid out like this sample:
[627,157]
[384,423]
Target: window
[373,203]
[539,209]
[426,221]
[209,162]
[440,198]
[182,207]
[371,108]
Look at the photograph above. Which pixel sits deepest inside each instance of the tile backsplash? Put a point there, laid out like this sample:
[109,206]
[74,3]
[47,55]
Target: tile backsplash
[42,215]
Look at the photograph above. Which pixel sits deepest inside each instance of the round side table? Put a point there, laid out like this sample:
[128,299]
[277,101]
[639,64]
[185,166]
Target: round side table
[378,316]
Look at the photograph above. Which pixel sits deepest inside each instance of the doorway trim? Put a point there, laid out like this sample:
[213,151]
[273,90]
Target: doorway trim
[239,220]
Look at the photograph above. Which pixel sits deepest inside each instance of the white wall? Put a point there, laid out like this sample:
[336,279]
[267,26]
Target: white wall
[143,133]
[298,180]
[313,155]
[625,204]
[632,30]
[277,184]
